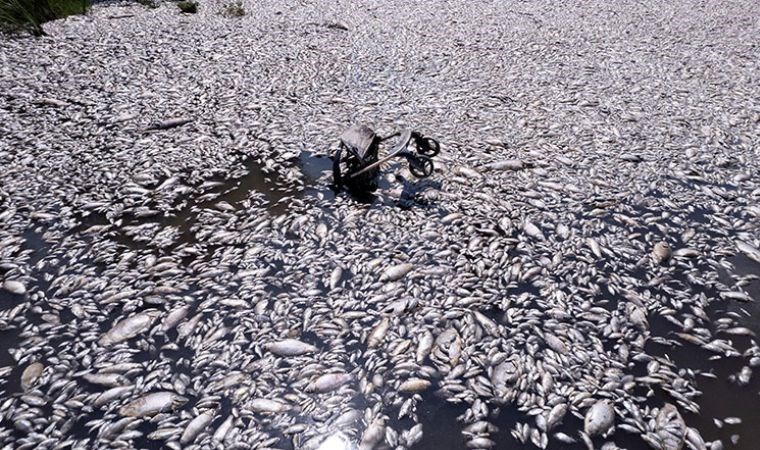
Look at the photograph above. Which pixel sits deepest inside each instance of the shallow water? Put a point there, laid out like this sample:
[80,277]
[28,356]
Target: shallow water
[720,398]
[441,420]
[671,83]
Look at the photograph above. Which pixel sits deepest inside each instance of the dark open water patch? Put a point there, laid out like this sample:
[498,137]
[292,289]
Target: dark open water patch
[440,425]
[257,189]
[236,192]
[721,397]
[442,428]
[34,241]
[317,171]
[9,300]
[38,248]
[80,430]
[744,268]
[11,383]
[316,168]
[8,338]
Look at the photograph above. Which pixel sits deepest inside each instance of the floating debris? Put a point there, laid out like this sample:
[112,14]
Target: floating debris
[580,270]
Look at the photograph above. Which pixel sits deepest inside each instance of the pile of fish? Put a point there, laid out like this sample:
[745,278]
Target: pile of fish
[582,266]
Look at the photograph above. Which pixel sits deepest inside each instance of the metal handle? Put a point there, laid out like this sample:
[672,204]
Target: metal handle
[400,146]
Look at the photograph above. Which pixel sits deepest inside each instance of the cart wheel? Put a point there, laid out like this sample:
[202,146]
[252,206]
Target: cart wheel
[428,146]
[421,166]
[337,176]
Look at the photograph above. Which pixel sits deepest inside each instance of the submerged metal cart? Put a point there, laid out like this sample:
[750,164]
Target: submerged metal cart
[356,164]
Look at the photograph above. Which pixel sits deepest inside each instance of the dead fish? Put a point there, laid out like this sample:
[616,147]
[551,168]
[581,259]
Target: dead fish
[164,434]
[750,250]
[533,231]
[661,253]
[563,231]
[468,172]
[413,436]
[564,438]
[450,218]
[736,295]
[34,400]
[105,379]
[329,382]
[556,415]
[686,253]
[14,287]
[480,427]
[555,343]
[112,394]
[52,102]
[377,334]
[744,376]
[175,317]
[335,277]
[169,123]
[372,435]
[424,346]
[265,405]
[396,272]
[638,317]
[196,427]
[630,157]
[739,331]
[339,25]
[290,347]
[322,230]
[31,374]
[128,328]
[186,328]
[481,442]
[506,164]
[694,440]
[414,385]
[225,206]
[599,418]
[594,246]
[670,428]
[152,404]
[488,325]
[221,432]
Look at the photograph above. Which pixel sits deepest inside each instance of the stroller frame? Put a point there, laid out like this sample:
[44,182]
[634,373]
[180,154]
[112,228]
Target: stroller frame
[359,149]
